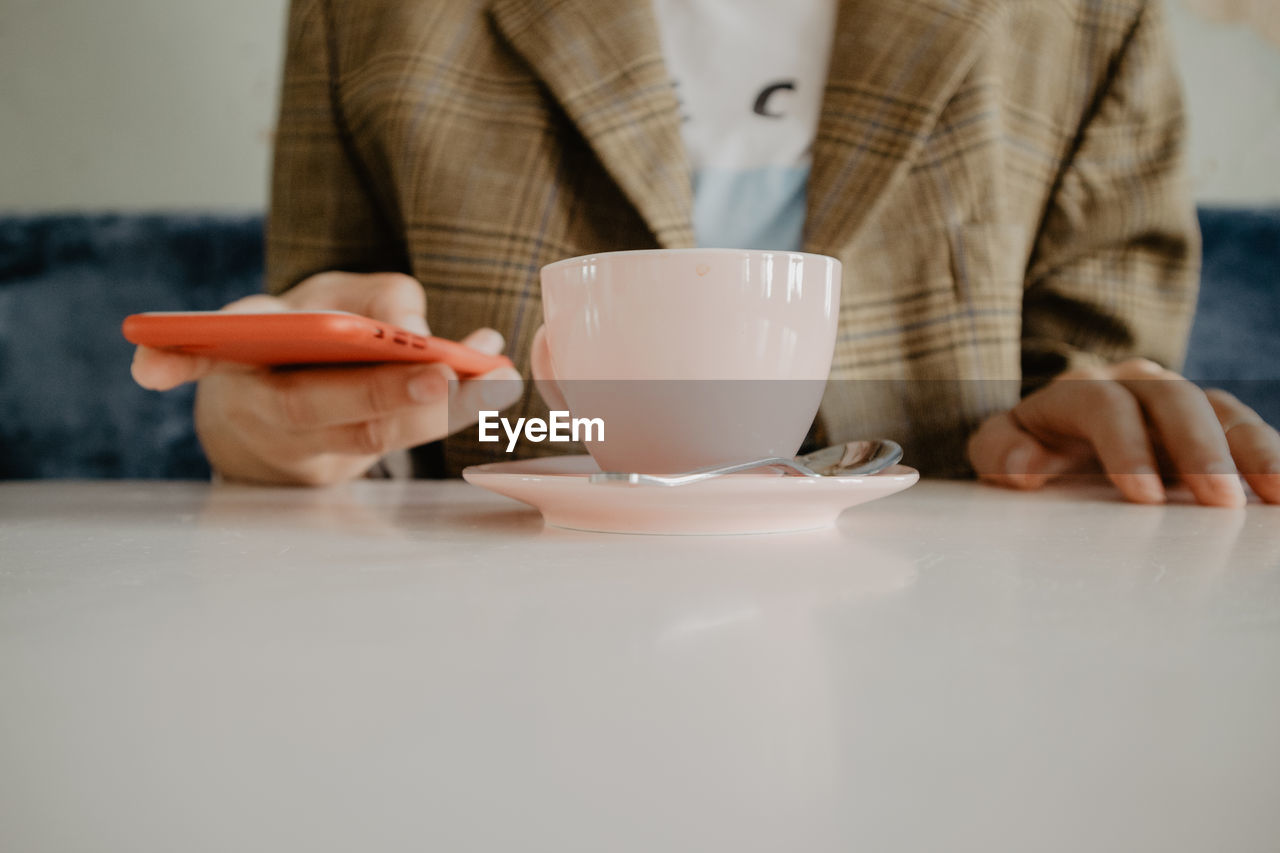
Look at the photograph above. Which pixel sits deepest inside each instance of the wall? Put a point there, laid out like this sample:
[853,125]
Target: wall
[1229,52]
[135,104]
[145,104]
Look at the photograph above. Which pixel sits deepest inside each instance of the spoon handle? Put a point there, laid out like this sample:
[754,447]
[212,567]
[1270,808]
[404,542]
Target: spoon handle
[626,479]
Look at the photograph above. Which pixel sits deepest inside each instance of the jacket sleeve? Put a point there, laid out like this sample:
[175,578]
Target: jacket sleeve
[324,212]
[1115,267]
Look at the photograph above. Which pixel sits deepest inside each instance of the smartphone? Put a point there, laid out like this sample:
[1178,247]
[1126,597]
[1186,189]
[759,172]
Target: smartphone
[299,337]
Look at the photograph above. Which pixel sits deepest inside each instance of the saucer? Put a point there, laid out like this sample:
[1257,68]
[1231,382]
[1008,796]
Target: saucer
[749,502]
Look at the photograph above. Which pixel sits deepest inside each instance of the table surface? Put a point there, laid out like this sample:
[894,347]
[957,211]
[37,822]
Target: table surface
[396,666]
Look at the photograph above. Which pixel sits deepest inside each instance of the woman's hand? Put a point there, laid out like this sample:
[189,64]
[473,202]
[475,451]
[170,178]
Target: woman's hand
[1135,419]
[318,426]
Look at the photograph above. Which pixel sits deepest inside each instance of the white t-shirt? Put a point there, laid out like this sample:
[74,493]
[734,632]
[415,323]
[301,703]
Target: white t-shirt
[749,75]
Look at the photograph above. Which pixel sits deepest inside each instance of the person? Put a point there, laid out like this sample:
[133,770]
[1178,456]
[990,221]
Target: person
[1003,183]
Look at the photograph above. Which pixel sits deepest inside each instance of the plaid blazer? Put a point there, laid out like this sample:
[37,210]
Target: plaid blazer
[1003,182]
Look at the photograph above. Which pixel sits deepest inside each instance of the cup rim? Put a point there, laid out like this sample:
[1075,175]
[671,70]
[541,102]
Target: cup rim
[580,259]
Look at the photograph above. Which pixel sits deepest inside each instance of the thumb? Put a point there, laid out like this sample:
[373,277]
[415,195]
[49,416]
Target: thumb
[486,340]
[543,374]
[1002,452]
[161,370]
[388,297]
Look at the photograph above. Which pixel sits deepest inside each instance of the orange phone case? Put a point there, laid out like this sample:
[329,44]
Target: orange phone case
[301,337]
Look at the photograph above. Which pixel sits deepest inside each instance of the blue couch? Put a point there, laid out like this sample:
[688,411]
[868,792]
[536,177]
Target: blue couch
[69,409]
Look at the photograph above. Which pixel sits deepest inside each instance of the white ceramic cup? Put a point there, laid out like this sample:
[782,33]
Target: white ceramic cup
[690,357]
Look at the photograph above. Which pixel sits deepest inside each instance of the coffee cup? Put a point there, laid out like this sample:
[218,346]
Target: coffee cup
[689,357]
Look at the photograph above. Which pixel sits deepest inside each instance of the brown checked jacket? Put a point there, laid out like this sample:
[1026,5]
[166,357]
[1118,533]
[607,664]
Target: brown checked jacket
[1002,179]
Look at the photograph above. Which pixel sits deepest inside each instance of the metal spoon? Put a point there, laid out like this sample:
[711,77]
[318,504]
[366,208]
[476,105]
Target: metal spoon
[852,459]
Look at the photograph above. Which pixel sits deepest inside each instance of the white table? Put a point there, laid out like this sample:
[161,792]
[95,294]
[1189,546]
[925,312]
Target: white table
[417,666]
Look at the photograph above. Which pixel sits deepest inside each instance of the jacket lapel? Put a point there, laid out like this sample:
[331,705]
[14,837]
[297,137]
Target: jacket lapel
[602,61]
[894,66]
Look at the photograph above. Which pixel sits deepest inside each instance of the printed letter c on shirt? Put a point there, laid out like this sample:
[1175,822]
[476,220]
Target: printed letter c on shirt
[761,107]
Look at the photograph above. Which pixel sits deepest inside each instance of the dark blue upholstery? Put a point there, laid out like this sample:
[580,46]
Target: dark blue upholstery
[1236,336]
[69,409]
[1235,342]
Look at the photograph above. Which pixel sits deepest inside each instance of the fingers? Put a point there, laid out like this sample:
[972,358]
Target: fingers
[543,374]
[1254,444]
[322,425]
[1189,432]
[487,341]
[494,391]
[162,370]
[1003,453]
[325,413]
[377,431]
[158,370]
[388,297]
[313,398]
[258,303]
[375,437]
[1107,416]
[1129,411]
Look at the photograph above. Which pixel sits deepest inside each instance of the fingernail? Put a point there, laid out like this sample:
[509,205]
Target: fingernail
[501,388]
[488,341]
[1018,461]
[427,386]
[1148,485]
[1146,365]
[415,323]
[1222,476]
[1272,468]
[1234,493]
